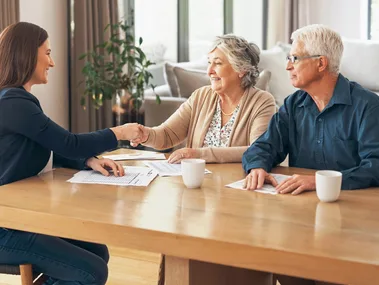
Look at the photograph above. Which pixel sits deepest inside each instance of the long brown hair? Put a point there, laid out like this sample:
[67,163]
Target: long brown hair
[19,45]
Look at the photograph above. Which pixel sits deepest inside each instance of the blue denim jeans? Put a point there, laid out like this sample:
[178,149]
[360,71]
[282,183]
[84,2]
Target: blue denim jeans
[67,262]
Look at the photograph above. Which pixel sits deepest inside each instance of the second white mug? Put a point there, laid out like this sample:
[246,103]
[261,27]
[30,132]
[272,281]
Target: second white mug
[328,185]
[193,172]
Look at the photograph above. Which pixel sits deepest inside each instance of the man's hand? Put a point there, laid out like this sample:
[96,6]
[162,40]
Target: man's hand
[143,138]
[131,131]
[257,177]
[103,165]
[178,155]
[297,184]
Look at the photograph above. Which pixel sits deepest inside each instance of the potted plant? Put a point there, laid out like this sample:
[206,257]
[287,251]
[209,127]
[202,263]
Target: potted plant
[117,70]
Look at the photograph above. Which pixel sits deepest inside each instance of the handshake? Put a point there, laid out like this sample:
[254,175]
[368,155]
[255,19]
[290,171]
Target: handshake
[133,132]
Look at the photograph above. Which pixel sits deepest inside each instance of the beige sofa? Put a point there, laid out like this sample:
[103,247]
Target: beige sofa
[360,63]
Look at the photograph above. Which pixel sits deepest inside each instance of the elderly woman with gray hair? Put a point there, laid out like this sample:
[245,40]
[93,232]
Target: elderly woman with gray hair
[219,121]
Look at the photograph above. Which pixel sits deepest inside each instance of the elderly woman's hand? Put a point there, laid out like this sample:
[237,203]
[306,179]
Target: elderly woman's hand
[143,138]
[103,165]
[183,153]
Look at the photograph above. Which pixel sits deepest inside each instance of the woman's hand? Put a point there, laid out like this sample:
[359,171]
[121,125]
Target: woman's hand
[104,165]
[143,138]
[131,131]
[183,153]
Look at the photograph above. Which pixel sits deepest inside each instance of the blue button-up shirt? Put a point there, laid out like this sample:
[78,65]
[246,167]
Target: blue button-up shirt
[344,136]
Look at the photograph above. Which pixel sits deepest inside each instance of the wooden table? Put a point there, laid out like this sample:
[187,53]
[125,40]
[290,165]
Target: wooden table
[294,235]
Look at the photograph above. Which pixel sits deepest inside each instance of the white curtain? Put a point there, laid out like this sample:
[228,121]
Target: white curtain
[284,17]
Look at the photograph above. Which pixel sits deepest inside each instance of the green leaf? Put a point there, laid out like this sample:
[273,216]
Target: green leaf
[140,41]
[139,60]
[129,38]
[106,27]
[157,99]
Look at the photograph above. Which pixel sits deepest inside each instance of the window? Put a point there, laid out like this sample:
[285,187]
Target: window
[206,21]
[374,20]
[185,29]
[248,20]
[156,23]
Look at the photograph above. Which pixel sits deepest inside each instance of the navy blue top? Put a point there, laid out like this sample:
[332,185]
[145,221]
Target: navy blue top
[343,137]
[27,136]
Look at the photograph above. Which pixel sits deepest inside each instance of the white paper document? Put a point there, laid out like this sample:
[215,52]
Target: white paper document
[267,188]
[134,176]
[167,169]
[136,156]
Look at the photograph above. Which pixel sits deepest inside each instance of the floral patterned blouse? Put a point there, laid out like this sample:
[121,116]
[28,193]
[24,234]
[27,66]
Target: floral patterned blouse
[218,136]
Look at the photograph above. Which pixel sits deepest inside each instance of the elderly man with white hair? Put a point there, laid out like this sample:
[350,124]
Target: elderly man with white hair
[330,123]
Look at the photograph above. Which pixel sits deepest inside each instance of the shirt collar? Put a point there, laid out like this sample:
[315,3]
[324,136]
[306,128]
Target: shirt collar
[341,94]
[306,101]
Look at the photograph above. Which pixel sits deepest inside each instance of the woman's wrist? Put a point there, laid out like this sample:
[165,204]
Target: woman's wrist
[89,161]
[117,132]
[147,136]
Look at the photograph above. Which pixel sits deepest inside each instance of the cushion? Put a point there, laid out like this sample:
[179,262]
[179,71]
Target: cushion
[263,81]
[169,75]
[360,62]
[274,60]
[285,47]
[191,79]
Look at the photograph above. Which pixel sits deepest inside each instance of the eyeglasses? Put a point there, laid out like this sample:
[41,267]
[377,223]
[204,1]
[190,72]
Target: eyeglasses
[293,58]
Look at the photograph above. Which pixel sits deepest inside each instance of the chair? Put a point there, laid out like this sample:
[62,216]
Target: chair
[26,273]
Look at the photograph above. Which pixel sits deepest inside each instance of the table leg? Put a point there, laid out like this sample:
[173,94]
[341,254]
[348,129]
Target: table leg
[177,271]
[181,271]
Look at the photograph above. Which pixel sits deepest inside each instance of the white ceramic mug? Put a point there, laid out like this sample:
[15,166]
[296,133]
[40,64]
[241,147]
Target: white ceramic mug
[193,172]
[328,185]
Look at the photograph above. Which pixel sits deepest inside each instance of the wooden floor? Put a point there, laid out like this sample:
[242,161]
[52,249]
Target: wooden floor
[126,267]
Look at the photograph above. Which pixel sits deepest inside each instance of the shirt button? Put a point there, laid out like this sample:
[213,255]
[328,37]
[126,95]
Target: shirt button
[318,141]
[320,120]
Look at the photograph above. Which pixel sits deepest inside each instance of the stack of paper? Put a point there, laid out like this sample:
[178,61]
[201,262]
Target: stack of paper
[136,156]
[134,176]
[267,188]
[167,169]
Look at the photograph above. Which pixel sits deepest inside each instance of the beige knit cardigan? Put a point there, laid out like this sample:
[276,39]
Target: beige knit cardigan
[191,121]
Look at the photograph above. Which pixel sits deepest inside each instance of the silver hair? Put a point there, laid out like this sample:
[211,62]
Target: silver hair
[321,40]
[242,55]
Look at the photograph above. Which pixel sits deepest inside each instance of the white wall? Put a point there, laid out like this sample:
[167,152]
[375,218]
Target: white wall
[52,16]
[347,17]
